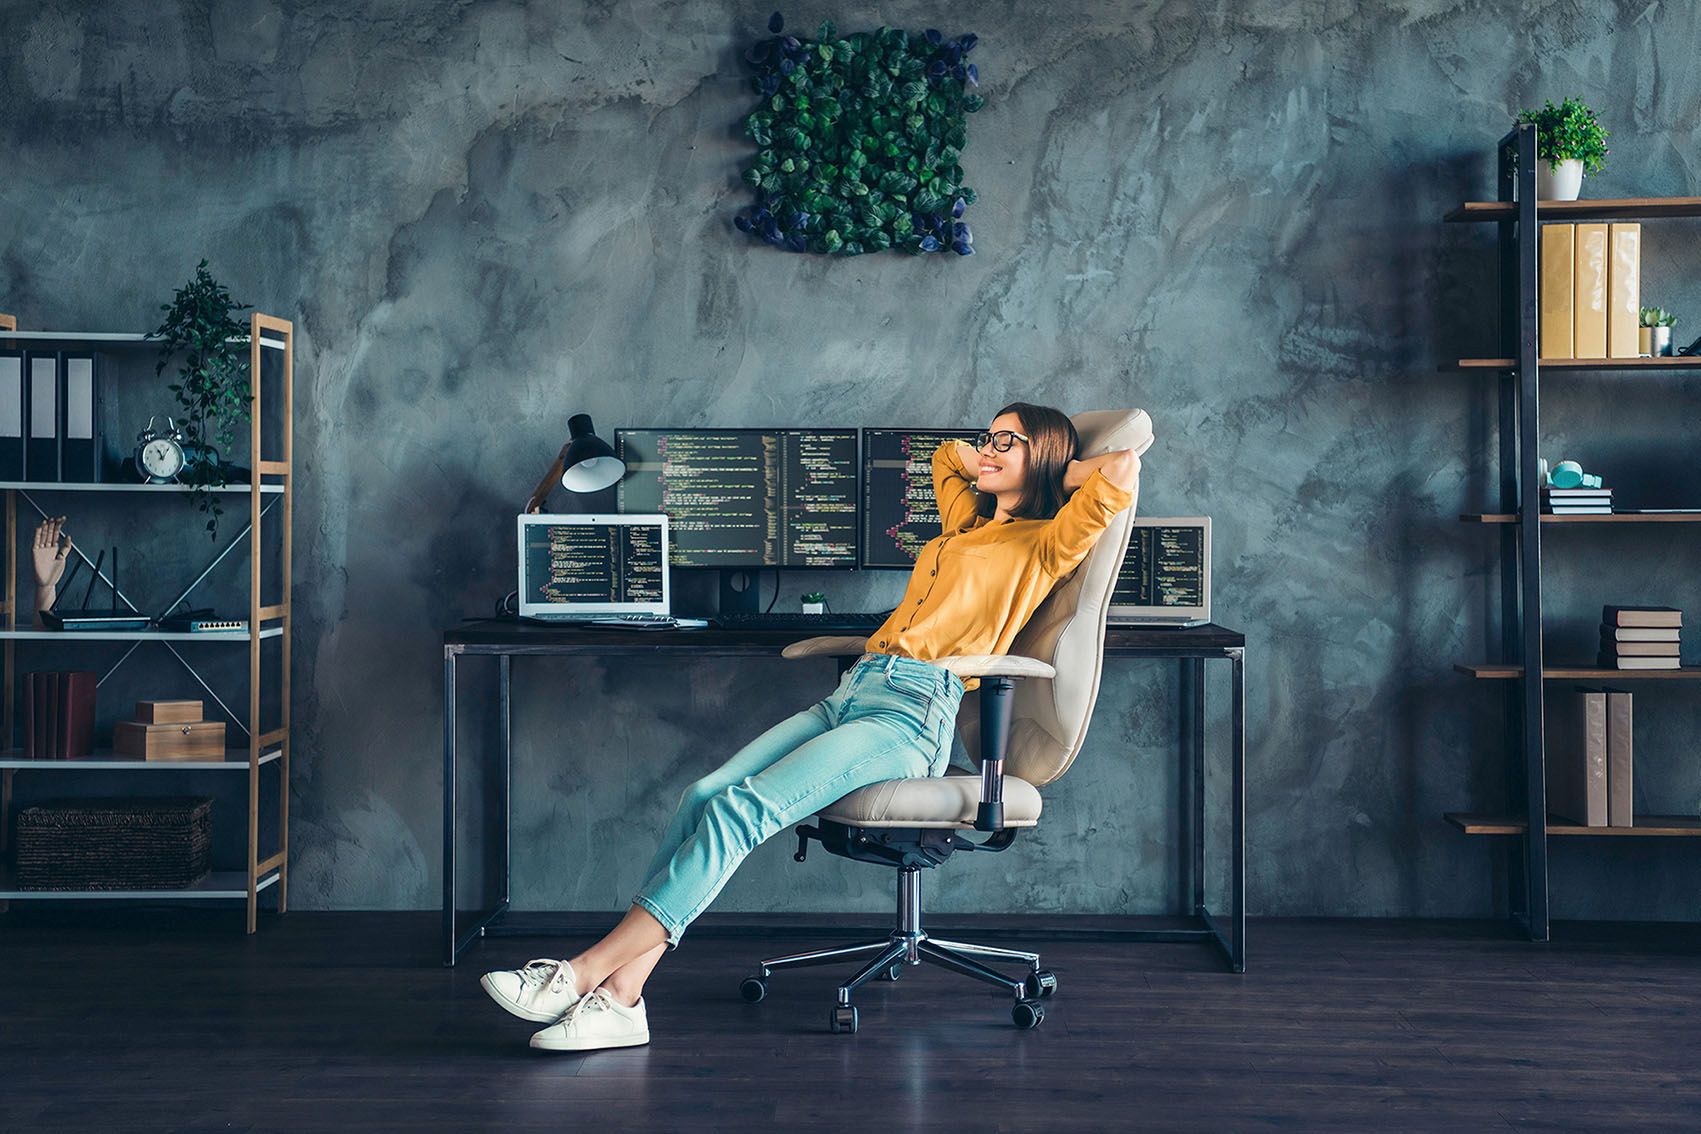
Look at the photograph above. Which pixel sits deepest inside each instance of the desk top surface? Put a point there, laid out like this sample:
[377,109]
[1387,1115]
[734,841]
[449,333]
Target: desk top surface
[491,635]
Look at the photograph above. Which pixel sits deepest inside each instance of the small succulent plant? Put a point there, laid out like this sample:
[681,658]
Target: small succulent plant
[859,140]
[1657,317]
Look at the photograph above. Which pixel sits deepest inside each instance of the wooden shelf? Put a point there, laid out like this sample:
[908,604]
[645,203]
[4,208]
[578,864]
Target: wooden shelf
[218,884]
[1590,673]
[1629,208]
[236,760]
[82,486]
[1472,823]
[1664,362]
[139,635]
[1597,518]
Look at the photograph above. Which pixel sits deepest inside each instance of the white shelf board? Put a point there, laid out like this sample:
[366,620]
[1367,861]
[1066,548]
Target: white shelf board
[218,884]
[139,635]
[236,760]
[113,338]
[118,486]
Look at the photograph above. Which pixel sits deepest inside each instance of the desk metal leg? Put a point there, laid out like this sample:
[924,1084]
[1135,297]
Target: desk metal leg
[1237,718]
[1196,758]
[450,659]
[456,938]
[505,759]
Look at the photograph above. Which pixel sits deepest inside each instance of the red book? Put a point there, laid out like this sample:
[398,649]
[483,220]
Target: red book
[29,716]
[51,741]
[77,714]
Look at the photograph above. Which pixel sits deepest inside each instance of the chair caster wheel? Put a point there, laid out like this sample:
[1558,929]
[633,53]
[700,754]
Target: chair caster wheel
[1027,1014]
[753,989]
[844,1020]
[892,972]
[1041,984]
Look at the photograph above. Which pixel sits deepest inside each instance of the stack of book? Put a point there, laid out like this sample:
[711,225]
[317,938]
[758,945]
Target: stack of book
[1640,637]
[1577,501]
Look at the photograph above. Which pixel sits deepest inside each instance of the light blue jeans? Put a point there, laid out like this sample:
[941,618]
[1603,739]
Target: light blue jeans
[890,718]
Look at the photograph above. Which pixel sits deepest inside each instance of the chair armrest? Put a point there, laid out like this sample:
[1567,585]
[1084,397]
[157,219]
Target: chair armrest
[826,646]
[995,665]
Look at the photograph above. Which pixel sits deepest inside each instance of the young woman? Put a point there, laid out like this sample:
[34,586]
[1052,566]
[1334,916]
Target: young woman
[1039,512]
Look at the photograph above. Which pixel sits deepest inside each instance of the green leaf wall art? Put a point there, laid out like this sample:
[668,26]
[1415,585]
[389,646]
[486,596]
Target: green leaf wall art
[859,141]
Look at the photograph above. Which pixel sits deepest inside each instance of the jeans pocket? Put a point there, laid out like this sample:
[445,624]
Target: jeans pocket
[911,685]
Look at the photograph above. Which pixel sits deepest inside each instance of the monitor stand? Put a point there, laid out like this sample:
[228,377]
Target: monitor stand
[741,590]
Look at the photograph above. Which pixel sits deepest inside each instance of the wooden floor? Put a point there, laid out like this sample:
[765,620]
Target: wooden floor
[328,1021]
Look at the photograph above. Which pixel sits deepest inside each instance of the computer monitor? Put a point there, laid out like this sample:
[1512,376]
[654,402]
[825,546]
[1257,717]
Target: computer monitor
[899,512]
[591,566]
[746,498]
[1166,576]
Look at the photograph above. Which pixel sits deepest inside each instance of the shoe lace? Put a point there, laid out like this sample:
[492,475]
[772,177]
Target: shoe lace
[544,970]
[597,1000]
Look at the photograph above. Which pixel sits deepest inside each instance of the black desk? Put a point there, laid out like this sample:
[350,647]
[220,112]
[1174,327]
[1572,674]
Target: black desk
[506,640]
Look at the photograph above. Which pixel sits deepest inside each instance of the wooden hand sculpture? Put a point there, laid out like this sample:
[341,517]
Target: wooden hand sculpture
[51,549]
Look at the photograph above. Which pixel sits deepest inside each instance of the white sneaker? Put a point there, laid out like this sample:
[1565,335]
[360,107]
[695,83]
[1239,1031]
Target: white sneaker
[541,991]
[597,1021]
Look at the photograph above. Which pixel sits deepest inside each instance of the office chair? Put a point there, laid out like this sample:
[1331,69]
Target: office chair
[1026,736]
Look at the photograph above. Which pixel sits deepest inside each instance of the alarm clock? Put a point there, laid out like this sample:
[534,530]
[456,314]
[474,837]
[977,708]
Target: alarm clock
[159,458]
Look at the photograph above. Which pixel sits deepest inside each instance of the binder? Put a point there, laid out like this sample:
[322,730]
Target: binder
[11,415]
[75,739]
[1624,290]
[1589,340]
[79,413]
[41,448]
[1576,743]
[1556,288]
[1620,759]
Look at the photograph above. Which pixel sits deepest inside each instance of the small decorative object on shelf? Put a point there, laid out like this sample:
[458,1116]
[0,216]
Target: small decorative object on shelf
[212,384]
[1656,332]
[1569,491]
[858,141]
[1570,143]
[48,554]
[814,602]
[159,456]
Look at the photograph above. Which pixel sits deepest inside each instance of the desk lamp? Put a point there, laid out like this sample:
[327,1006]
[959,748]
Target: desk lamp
[585,464]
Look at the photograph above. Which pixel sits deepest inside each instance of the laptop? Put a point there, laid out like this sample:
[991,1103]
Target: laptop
[1166,575]
[594,568]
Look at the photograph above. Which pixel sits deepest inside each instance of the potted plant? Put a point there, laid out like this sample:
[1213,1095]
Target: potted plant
[212,384]
[1570,143]
[1655,333]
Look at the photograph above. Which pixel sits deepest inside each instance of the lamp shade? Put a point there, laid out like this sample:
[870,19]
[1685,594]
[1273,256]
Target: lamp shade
[589,464]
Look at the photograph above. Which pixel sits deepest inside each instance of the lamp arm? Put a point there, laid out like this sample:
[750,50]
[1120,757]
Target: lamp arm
[551,478]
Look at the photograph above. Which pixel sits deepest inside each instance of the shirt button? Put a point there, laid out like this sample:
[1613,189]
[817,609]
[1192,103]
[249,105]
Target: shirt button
[935,571]
[918,602]
[881,642]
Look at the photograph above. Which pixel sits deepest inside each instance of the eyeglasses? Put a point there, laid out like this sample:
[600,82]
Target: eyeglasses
[1001,441]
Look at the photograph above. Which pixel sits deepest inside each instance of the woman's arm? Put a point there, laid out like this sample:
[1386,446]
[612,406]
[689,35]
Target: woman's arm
[1120,466]
[953,487]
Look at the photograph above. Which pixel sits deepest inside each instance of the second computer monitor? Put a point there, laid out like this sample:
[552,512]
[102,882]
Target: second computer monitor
[743,498]
[899,512]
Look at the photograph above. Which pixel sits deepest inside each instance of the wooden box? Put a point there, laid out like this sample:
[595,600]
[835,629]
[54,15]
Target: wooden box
[167,712]
[181,740]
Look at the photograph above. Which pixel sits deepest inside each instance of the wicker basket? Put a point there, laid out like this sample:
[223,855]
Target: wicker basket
[152,843]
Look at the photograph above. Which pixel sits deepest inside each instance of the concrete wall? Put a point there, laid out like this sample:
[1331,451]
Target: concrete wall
[486,216]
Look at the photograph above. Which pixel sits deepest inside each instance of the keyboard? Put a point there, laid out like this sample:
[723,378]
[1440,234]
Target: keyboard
[797,620]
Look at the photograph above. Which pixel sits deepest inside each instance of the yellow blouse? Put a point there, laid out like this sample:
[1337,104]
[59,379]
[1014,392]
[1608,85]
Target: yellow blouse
[974,586]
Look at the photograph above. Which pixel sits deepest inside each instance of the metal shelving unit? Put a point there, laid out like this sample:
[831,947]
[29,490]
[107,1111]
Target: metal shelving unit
[271,486]
[1518,370]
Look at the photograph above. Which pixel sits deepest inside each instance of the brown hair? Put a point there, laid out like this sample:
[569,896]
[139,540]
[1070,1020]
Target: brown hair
[1052,444]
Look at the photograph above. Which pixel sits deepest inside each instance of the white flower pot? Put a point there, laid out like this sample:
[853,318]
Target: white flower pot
[1561,182]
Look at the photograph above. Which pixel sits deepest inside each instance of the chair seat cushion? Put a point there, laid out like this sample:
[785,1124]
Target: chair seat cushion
[934,801]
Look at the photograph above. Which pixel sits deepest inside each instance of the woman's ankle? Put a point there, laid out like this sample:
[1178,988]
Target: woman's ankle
[623,996]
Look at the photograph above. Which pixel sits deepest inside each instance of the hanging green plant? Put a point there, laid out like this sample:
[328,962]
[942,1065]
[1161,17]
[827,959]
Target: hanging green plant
[859,141]
[212,382]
